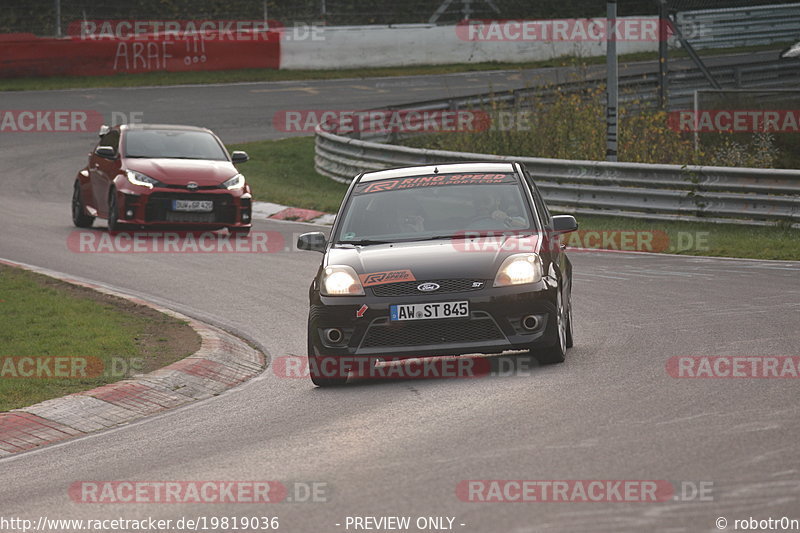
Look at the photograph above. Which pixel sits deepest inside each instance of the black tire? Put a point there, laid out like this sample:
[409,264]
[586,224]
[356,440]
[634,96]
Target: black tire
[79,216]
[570,341]
[557,352]
[114,225]
[236,232]
[314,368]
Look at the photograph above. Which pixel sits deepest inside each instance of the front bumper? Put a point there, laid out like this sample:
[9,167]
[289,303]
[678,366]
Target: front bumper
[155,208]
[494,324]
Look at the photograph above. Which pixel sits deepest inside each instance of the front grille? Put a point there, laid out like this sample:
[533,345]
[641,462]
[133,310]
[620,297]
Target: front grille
[159,208]
[198,188]
[408,288]
[424,332]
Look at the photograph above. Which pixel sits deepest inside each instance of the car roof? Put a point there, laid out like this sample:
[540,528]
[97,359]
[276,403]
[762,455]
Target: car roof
[163,127]
[447,168]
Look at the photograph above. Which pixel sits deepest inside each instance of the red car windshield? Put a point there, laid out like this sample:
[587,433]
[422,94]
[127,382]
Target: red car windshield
[173,144]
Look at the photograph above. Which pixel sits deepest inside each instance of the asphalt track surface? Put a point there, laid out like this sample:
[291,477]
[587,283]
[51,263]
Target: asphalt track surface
[400,447]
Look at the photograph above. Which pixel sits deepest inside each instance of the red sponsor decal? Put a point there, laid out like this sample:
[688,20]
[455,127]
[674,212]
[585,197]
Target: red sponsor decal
[736,120]
[734,367]
[390,276]
[564,491]
[562,30]
[177,492]
[361,311]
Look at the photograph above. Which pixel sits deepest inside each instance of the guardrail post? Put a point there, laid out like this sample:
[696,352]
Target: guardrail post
[612,81]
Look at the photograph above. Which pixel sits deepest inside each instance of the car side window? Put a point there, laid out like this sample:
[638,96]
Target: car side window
[541,207]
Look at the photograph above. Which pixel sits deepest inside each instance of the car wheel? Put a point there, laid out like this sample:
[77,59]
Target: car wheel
[315,369]
[114,225]
[244,232]
[558,351]
[79,216]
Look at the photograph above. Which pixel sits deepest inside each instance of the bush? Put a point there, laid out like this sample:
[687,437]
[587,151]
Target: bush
[571,125]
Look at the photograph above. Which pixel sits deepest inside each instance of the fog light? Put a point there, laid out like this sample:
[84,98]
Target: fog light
[245,217]
[334,335]
[129,213]
[530,322]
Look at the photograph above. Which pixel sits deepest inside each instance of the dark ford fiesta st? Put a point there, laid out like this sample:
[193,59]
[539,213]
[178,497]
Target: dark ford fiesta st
[439,260]
[158,175]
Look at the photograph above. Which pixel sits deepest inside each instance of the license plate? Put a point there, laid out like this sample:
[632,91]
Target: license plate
[197,206]
[429,311]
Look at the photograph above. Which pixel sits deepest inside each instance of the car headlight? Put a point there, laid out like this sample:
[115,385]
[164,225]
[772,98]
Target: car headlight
[340,281]
[236,182]
[143,180]
[518,269]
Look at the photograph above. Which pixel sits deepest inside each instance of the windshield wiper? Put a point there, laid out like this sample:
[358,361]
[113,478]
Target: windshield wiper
[461,235]
[365,242]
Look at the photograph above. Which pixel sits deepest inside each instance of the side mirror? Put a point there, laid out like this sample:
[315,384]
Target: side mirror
[239,157]
[103,130]
[106,151]
[314,241]
[564,223]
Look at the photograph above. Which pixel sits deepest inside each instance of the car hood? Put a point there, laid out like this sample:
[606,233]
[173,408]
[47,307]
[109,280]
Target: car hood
[477,258]
[182,171]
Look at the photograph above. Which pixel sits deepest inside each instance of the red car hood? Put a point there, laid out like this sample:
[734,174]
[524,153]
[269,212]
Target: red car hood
[182,171]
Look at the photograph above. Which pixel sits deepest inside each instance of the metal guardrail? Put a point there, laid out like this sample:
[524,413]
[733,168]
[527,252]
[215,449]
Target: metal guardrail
[746,26]
[713,194]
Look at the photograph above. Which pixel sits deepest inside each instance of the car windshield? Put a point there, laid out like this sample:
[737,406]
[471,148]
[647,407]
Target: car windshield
[430,207]
[173,144]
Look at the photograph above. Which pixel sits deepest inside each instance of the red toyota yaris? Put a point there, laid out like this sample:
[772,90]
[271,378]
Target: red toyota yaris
[156,175]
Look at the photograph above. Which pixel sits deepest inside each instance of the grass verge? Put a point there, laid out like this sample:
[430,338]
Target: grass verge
[82,339]
[150,79]
[283,172]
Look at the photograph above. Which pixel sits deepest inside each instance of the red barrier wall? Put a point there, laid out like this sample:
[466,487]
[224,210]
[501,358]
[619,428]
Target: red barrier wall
[23,55]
